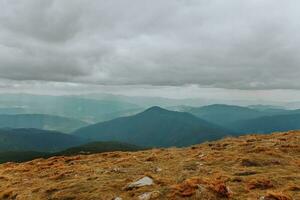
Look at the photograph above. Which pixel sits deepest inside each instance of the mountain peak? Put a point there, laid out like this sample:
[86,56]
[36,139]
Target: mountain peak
[155,109]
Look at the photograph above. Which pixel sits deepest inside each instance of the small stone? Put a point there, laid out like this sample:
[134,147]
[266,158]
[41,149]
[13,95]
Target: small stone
[145,196]
[118,170]
[158,169]
[118,198]
[201,155]
[149,195]
[140,183]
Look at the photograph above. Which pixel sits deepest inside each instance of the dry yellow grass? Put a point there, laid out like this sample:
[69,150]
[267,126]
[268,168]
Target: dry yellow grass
[249,167]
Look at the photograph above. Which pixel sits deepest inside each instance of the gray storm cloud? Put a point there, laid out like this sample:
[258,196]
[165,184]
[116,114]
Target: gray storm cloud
[223,44]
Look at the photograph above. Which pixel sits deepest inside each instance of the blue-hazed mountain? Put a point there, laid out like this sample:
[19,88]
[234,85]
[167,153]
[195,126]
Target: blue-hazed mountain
[155,127]
[41,121]
[268,124]
[224,115]
[12,110]
[36,140]
[272,110]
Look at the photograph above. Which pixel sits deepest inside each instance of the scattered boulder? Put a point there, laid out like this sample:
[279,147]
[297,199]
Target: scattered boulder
[140,183]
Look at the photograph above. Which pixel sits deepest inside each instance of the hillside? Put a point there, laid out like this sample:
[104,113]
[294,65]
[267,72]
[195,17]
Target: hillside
[248,167]
[21,156]
[98,147]
[85,149]
[155,127]
[40,121]
[268,124]
[36,140]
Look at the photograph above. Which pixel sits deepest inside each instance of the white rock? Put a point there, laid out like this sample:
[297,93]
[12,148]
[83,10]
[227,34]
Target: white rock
[118,198]
[201,155]
[145,196]
[140,183]
[158,169]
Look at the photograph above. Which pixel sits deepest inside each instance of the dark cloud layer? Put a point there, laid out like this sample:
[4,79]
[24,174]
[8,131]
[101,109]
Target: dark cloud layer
[223,44]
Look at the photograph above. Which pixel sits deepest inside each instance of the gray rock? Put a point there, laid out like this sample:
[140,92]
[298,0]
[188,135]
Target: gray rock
[140,183]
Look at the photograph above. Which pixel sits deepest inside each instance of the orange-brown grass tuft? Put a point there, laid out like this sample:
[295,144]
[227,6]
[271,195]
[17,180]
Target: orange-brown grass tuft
[277,196]
[188,187]
[261,184]
[220,189]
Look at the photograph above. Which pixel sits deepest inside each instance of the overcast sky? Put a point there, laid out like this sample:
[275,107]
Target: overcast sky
[233,46]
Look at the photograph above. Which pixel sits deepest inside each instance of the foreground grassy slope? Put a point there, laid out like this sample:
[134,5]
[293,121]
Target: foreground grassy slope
[244,168]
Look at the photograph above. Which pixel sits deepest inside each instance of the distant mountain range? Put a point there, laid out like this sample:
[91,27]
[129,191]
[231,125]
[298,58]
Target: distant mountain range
[268,124]
[12,110]
[41,121]
[84,109]
[251,119]
[36,140]
[225,114]
[155,127]
[21,135]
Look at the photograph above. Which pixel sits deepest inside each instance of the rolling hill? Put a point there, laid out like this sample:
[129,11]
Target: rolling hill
[154,127]
[98,147]
[268,124]
[41,121]
[223,115]
[11,110]
[21,156]
[85,149]
[36,140]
